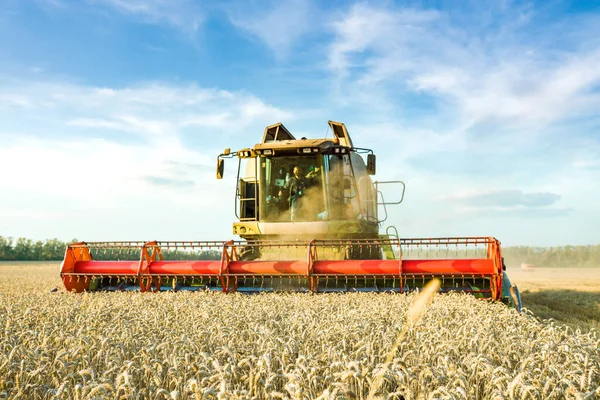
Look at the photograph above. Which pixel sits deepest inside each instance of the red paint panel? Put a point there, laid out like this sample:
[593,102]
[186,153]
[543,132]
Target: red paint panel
[391,267]
[156,267]
[294,267]
[107,267]
[204,267]
[357,267]
[468,266]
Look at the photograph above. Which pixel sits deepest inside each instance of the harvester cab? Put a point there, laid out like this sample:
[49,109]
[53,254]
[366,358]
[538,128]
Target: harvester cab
[309,215]
[304,189]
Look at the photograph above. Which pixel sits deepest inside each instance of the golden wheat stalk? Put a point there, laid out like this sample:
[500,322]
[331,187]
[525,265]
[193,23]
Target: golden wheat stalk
[415,312]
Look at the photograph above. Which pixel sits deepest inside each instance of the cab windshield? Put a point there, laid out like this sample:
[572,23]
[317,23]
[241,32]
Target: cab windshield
[314,188]
[293,188]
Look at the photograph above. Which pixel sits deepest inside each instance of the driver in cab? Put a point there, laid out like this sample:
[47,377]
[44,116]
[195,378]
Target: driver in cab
[296,187]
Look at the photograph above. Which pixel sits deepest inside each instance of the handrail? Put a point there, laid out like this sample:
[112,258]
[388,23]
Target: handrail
[387,182]
[383,203]
[395,233]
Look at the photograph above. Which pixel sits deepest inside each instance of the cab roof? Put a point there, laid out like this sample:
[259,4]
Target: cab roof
[293,145]
[276,133]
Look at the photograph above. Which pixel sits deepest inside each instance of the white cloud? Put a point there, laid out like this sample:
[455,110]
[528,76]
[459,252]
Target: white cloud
[280,24]
[182,14]
[369,28]
[17,100]
[494,74]
[206,120]
[475,99]
[506,202]
[517,211]
[591,164]
[503,197]
[153,107]
[98,123]
[535,93]
[101,156]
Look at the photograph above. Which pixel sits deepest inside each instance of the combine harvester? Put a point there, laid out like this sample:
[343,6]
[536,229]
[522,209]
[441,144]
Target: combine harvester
[308,215]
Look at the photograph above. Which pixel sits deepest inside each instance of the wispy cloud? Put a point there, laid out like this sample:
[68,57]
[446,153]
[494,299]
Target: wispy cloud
[473,95]
[491,73]
[367,29]
[503,198]
[587,164]
[170,182]
[186,15]
[507,202]
[104,151]
[280,24]
[153,107]
[99,123]
[517,211]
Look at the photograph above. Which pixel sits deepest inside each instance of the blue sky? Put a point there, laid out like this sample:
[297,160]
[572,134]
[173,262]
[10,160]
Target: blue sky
[112,111]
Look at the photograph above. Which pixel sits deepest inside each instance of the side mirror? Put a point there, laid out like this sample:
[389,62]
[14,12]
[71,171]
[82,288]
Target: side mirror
[220,168]
[371,164]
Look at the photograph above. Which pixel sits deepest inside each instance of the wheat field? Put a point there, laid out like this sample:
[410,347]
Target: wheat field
[287,346]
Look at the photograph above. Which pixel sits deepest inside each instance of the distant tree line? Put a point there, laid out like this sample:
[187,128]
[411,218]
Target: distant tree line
[27,250]
[553,257]
[22,249]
